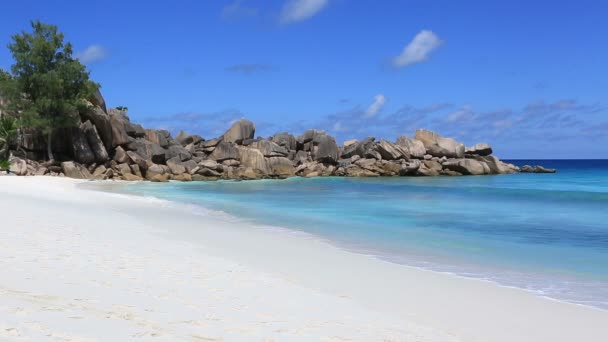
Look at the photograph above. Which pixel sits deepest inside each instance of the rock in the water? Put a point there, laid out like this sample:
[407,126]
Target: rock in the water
[415,147]
[410,168]
[479,150]
[466,166]
[496,166]
[252,158]
[536,169]
[184,177]
[223,151]
[280,167]
[75,170]
[132,178]
[239,131]
[153,171]
[438,146]
[160,178]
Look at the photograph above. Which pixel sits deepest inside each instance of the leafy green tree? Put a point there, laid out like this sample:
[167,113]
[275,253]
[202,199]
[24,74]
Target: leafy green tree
[47,86]
[8,131]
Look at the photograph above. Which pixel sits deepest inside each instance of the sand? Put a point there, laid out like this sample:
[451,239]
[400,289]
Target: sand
[84,265]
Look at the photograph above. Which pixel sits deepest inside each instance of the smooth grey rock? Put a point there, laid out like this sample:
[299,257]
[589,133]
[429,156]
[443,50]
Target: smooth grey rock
[120,156]
[482,149]
[223,151]
[240,130]
[466,166]
[154,170]
[175,165]
[95,143]
[80,147]
[358,148]
[269,148]
[438,146]
[390,151]
[75,170]
[18,166]
[253,159]
[101,121]
[178,151]
[210,143]
[327,149]
[157,137]
[286,140]
[119,132]
[280,167]
[415,147]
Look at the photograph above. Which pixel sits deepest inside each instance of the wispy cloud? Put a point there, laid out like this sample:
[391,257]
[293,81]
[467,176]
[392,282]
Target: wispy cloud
[237,11]
[249,69]
[418,50]
[299,10]
[376,106]
[209,125]
[92,54]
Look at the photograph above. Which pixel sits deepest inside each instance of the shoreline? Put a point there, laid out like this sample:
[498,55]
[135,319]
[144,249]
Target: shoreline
[102,185]
[436,305]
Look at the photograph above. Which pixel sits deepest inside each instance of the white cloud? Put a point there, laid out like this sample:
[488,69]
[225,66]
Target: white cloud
[299,10]
[374,108]
[462,115]
[92,54]
[419,49]
[235,11]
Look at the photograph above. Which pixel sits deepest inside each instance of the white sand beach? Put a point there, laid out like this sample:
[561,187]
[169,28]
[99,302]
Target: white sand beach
[84,265]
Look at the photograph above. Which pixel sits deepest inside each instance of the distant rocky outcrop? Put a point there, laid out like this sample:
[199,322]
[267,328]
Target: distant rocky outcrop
[107,145]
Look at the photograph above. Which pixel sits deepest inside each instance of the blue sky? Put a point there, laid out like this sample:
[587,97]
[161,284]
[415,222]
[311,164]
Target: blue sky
[528,77]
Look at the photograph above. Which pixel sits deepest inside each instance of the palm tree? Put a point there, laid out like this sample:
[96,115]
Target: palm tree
[8,130]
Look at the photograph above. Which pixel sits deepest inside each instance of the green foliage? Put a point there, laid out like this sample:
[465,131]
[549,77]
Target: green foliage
[4,164]
[8,130]
[47,86]
[123,108]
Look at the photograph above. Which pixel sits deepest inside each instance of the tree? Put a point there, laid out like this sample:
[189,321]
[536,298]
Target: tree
[8,131]
[47,87]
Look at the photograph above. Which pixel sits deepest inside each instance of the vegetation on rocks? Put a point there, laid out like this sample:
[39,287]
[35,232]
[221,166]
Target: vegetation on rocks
[47,86]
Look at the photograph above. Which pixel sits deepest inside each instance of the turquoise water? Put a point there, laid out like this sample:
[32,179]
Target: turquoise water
[546,233]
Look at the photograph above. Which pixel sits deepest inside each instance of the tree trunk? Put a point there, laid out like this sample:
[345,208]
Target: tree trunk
[49,148]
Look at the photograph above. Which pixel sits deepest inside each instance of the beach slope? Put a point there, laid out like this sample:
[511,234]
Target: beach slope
[87,265]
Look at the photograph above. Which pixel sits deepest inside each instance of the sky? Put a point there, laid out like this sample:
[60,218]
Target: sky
[528,77]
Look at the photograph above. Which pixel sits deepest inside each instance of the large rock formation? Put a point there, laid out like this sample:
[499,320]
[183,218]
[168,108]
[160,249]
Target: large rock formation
[415,147]
[107,145]
[438,146]
[239,131]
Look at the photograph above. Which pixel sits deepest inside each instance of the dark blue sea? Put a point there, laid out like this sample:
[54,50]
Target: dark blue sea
[547,233]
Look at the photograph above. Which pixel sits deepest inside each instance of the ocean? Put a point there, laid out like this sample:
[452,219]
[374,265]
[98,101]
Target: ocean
[546,233]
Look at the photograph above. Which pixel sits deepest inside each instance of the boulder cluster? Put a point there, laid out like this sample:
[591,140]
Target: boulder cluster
[107,145]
